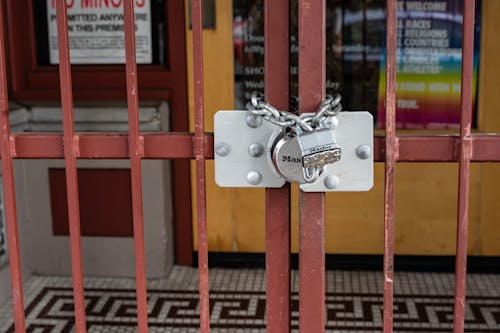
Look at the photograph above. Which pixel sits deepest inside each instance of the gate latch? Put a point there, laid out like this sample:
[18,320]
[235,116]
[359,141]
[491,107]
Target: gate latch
[322,153]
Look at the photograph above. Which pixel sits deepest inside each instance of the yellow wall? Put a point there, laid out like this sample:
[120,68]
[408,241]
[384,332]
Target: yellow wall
[426,193]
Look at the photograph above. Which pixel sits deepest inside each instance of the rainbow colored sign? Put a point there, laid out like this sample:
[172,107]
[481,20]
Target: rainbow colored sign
[429,59]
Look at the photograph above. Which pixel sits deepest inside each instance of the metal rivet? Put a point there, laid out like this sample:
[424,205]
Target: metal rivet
[331,123]
[254,177]
[331,182]
[253,121]
[222,149]
[256,150]
[364,152]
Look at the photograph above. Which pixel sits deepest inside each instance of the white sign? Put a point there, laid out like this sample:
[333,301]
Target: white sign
[96,31]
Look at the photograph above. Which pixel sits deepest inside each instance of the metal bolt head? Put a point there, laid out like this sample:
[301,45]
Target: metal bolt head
[256,150]
[331,182]
[364,152]
[253,121]
[222,149]
[331,123]
[254,177]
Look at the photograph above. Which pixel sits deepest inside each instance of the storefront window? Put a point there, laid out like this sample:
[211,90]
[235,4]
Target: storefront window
[97,49]
[428,63]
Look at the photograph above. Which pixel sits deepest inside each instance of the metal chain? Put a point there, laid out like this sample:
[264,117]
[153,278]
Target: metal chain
[258,107]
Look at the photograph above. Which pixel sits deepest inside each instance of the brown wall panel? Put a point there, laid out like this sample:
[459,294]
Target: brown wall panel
[105,202]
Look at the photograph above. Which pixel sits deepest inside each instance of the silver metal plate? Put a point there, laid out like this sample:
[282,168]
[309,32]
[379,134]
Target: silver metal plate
[354,171]
[234,164]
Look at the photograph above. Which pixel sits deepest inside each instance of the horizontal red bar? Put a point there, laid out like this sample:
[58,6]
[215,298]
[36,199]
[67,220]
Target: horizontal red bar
[412,148]
[108,146]
[440,148]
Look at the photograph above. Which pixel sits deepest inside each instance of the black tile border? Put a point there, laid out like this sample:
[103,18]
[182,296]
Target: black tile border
[410,263]
[230,316]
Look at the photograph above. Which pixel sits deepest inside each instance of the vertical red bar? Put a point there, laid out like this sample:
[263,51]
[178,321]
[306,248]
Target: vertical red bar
[199,146]
[464,167]
[312,77]
[391,152]
[9,193]
[136,151]
[70,155]
[277,83]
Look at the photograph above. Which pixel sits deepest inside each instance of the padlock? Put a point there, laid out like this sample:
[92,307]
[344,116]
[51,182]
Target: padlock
[300,158]
[285,156]
[318,148]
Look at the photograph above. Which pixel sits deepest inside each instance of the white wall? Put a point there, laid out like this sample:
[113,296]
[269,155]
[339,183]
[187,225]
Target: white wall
[102,256]
[4,284]
[45,254]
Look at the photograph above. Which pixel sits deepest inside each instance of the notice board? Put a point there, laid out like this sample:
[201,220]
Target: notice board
[96,31]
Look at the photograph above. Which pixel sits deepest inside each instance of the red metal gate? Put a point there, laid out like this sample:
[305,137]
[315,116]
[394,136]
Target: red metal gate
[135,146]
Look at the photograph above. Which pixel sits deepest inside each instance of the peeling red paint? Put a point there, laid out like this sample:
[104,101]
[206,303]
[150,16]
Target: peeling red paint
[135,149]
[70,155]
[200,155]
[277,81]
[466,152]
[312,78]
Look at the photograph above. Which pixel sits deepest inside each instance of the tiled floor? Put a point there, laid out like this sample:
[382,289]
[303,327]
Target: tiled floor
[423,303]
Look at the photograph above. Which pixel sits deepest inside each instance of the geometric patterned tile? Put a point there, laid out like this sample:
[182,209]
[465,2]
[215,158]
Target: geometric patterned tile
[423,303]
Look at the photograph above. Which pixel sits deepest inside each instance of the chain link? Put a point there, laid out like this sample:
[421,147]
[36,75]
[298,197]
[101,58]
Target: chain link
[258,107]
[330,107]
